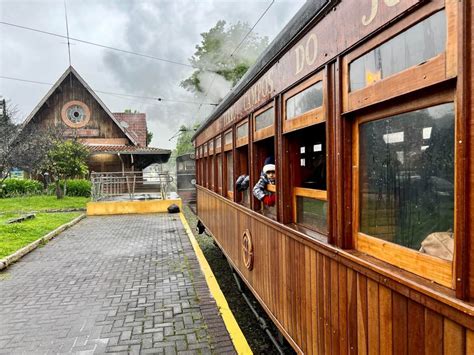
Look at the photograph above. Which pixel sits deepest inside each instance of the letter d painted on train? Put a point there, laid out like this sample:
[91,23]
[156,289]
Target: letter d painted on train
[306,54]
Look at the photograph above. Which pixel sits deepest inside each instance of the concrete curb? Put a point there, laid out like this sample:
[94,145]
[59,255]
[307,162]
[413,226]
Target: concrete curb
[10,259]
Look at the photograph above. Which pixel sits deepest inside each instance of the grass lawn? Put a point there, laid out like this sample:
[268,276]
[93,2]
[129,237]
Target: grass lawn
[40,203]
[17,235]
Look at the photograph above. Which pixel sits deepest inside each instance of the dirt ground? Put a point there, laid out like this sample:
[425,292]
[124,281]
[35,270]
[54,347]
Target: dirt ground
[256,337]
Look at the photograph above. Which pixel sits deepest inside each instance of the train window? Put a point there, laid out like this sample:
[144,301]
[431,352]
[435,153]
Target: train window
[219,173]
[264,122]
[307,149]
[405,189]
[229,164]
[230,174]
[416,45]
[242,135]
[218,144]
[210,161]
[228,140]
[264,153]
[303,105]
[385,66]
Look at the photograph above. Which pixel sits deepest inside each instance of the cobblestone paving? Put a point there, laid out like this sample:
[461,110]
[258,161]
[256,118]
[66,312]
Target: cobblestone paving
[121,284]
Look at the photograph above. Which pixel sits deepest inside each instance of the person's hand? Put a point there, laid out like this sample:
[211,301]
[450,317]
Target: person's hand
[269,200]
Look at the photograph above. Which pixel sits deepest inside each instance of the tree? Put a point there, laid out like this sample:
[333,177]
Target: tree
[149,137]
[67,160]
[8,133]
[217,53]
[184,144]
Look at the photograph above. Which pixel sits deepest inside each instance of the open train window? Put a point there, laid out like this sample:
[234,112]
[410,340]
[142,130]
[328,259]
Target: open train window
[242,185]
[408,56]
[211,163]
[206,165]
[404,187]
[229,164]
[218,162]
[305,133]
[303,105]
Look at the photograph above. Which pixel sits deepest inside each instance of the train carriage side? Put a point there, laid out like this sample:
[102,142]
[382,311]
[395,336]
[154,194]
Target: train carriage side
[366,110]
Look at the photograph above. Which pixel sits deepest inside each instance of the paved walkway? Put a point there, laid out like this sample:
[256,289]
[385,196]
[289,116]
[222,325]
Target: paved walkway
[128,284]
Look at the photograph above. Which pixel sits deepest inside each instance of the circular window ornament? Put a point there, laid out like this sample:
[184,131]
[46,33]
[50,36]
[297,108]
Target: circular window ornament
[247,249]
[75,114]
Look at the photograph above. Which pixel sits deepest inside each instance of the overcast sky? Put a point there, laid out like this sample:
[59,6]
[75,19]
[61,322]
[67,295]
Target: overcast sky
[161,28]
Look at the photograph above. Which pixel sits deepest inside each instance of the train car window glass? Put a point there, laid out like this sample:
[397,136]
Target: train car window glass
[303,104]
[218,143]
[205,150]
[265,119]
[264,122]
[228,138]
[406,187]
[312,213]
[306,100]
[211,147]
[243,130]
[228,143]
[211,172]
[414,46]
[230,174]
[219,173]
[242,134]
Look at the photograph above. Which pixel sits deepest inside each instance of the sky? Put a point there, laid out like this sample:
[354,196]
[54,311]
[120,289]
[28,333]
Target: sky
[168,29]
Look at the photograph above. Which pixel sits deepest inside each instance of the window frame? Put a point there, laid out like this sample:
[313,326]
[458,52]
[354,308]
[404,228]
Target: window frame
[434,70]
[308,118]
[265,132]
[424,265]
[239,142]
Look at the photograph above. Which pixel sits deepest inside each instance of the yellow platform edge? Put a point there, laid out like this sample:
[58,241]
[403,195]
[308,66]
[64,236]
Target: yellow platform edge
[103,208]
[238,338]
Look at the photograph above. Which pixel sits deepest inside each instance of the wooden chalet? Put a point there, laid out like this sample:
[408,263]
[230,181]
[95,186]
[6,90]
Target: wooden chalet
[117,141]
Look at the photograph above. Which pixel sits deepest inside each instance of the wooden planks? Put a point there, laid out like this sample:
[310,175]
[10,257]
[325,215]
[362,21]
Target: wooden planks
[321,305]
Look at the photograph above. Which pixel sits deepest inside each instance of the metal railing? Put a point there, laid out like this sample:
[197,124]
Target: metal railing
[129,185]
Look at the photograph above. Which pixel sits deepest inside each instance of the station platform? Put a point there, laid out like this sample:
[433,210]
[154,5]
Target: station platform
[115,284]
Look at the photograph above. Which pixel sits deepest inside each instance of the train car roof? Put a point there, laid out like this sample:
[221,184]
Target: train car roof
[309,14]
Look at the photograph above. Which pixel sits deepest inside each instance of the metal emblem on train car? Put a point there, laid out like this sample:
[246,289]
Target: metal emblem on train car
[247,249]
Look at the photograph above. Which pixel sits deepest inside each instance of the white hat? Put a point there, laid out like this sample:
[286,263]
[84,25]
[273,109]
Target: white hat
[268,167]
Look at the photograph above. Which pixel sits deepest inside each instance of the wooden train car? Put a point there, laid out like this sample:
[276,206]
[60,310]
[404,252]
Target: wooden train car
[366,107]
[186,177]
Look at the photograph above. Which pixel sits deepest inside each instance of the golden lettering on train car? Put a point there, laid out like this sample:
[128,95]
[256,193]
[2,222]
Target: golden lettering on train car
[374,9]
[306,53]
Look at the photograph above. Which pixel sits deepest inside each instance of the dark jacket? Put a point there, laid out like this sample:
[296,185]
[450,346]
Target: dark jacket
[260,188]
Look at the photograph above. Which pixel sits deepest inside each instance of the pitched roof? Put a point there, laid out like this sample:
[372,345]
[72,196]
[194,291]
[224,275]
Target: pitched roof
[135,124]
[125,149]
[72,71]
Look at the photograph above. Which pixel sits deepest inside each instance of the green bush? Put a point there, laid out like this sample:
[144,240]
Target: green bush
[76,187]
[17,187]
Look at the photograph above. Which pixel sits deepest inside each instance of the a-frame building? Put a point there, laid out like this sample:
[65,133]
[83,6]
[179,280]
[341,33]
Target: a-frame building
[117,141]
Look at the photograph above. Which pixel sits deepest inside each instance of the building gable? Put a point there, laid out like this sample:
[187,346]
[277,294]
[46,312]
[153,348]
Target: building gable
[73,106]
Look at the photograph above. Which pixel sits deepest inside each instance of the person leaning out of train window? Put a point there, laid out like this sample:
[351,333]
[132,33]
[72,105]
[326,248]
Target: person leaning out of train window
[242,182]
[260,189]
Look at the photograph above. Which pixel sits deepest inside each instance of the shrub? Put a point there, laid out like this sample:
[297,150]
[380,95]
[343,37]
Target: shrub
[76,187]
[16,187]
